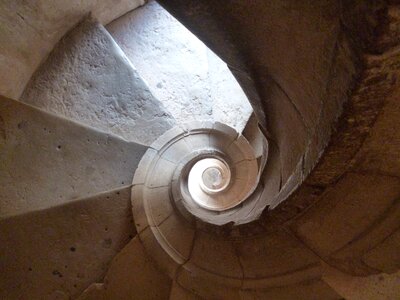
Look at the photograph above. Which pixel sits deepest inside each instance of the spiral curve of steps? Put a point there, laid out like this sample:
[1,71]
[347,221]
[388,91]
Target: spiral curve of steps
[104,195]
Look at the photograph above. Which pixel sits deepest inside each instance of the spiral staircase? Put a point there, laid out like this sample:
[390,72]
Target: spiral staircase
[104,195]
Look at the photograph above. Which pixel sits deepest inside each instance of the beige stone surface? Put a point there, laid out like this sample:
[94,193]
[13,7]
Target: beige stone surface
[63,249]
[347,218]
[263,257]
[375,287]
[132,275]
[206,287]
[216,256]
[384,256]
[178,293]
[308,290]
[94,292]
[87,78]
[191,81]
[347,211]
[47,161]
[31,29]
[381,150]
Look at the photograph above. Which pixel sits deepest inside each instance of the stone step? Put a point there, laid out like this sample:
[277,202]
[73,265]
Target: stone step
[57,252]
[183,73]
[48,161]
[87,78]
[132,275]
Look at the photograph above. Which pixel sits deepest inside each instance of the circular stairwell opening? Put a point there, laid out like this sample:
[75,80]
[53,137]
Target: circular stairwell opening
[207,178]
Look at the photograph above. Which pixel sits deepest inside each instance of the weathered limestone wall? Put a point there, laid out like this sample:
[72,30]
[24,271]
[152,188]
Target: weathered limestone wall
[30,29]
[87,78]
[187,77]
[64,202]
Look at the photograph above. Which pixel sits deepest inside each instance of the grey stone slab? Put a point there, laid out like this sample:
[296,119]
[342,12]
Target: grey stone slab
[42,252]
[198,141]
[191,81]
[196,125]
[87,78]
[46,161]
[31,29]
[167,138]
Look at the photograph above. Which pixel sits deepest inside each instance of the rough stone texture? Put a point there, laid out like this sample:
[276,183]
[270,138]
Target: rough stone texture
[381,149]
[30,29]
[132,275]
[268,250]
[347,211]
[356,180]
[178,293]
[307,55]
[61,250]
[191,81]
[46,161]
[216,256]
[382,257]
[94,292]
[375,287]
[87,78]
[206,287]
[308,290]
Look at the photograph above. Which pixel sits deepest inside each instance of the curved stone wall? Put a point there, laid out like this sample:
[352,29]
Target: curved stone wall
[323,79]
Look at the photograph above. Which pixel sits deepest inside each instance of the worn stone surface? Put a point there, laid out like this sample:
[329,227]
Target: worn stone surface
[383,257]
[216,256]
[375,287]
[206,287]
[46,161]
[132,275]
[348,219]
[308,290]
[178,293]
[31,29]
[42,253]
[94,292]
[191,81]
[346,212]
[88,79]
[262,257]
[381,149]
